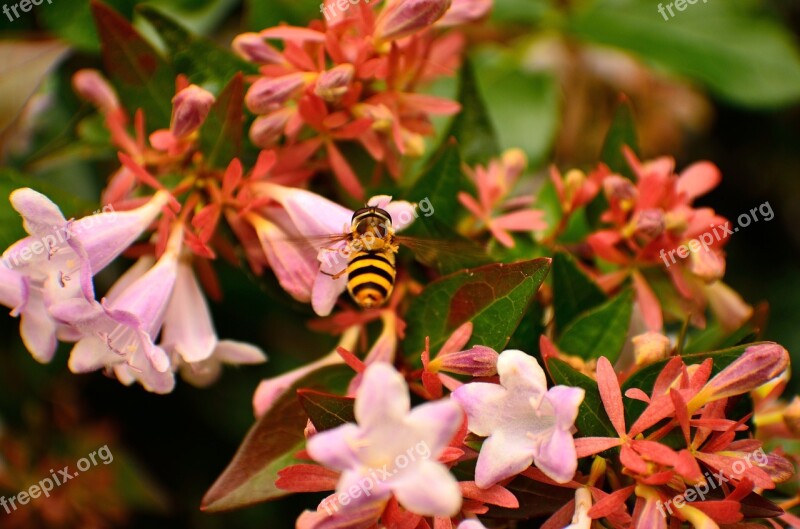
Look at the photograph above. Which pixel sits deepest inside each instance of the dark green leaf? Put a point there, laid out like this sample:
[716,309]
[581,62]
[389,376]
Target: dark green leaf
[621,133]
[472,127]
[270,446]
[327,411]
[142,77]
[203,62]
[573,291]
[600,331]
[592,420]
[440,184]
[221,134]
[493,297]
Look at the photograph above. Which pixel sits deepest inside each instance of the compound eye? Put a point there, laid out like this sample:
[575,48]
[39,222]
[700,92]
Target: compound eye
[361,228]
[381,231]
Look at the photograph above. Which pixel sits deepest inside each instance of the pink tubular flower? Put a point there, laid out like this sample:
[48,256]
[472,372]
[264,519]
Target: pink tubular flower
[91,85]
[189,334]
[59,258]
[524,421]
[305,270]
[389,432]
[494,184]
[122,328]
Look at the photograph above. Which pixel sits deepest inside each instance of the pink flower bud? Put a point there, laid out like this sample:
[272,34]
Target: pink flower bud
[707,264]
[650,347]
[478,361]
[649,223]
[619,189]
[514,161]
[334,83]
[267,130]
[268,94]
[465,11]
[252,47]
[403,17]
[93,87]
[758,365]
[190,108]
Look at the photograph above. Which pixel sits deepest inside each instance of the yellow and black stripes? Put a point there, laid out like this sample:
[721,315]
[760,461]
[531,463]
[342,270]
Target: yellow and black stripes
[370,277]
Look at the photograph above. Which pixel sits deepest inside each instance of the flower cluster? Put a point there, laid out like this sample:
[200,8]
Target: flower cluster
[355,78]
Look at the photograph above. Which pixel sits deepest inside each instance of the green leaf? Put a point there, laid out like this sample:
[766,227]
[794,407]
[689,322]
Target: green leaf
[524,107]
[739,51]
[472,127]
[573,291]
[221,134]
[600,331]
[142,77]
[72,21]
[592,420]
[261,15]
[621,133]
[493,297]
[327,411]
[203,62]
[440,183]
[270,446]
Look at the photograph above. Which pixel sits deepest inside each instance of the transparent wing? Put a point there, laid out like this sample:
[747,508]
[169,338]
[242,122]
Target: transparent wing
[444,253]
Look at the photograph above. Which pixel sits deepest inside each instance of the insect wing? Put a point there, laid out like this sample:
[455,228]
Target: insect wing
[441,253]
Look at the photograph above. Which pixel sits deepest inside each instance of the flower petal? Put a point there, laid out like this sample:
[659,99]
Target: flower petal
[429,490]
[382,397]
[502,457]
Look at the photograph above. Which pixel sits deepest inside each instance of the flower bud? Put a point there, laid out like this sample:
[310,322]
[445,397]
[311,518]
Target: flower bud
[620,190]
[252,47]
[268,94]
[465,11]
[334,83]
[650,347]
[707,264]
[93,87]
[757,365]
[649,223]
[402,18]
[190,108]
[267,130]
[479,361]
[515,161]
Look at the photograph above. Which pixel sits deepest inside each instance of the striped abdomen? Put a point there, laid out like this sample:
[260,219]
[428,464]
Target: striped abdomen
[370,277]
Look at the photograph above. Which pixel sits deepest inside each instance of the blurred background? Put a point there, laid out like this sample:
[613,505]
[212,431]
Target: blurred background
[718,82]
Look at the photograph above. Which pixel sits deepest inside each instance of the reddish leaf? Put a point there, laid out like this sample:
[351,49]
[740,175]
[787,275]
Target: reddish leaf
[270,445]
[142,77]
[221,134]
[327,411]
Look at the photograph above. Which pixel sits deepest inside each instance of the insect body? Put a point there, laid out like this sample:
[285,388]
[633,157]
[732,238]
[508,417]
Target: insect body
[371,265]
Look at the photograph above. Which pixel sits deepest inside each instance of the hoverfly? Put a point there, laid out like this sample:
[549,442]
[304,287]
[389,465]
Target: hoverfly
[373,245]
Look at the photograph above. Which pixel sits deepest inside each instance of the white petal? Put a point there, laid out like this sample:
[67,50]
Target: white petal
[501,457]
[40,215]
[382,397]
[521,372]
[428,489]
[38,329]
[188,328]
[233,352]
